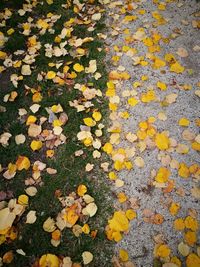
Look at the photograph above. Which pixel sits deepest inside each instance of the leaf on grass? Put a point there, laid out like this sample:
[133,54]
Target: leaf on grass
[90,209]
[31,191]
[6,218]
[36,145]
[34,130]
[23,200]
[87,257]
[49,225]
[26,70]
[31,217]
[49,260]
[82,189]
[20,139]
[78,67]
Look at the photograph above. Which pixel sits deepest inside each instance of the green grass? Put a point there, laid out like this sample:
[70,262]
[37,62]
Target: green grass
[70,169]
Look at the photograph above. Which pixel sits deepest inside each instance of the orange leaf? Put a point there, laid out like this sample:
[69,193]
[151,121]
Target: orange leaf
[23,163]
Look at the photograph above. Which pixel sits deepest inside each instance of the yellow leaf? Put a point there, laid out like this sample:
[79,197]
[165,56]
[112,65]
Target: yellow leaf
[123,255]
[183,170]
[51,75]
[190,238]
[191,223]
[184,122]
[42,24]
[108,148]
[36,145]
[114,75]
[162,175]
[112,176]
[71,215]
[10,31]
[78,67]
[89,122]
[37,97]
[174,208]
[82,189]
[162,251]
[176,261]
[177,68]
[49,260]
[57,108]
[162,86]
[121,197]
[49,225]
[86,228]
[148,41]
[97,116]
[132,101]
[193,260]
[3,55]
[158,63]
[119,222]
[117,236]
[31,119]
[49,2]
[23,200]
[179,224]
[148,97]
[196,146]
[23,163]
[162,141]
[131,214]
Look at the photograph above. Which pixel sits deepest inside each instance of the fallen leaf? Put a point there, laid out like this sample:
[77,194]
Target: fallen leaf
[6,218]
[49,225]
[26,70]
[90,209]
[123,255]
[31,217]
[20,139]
[87,257]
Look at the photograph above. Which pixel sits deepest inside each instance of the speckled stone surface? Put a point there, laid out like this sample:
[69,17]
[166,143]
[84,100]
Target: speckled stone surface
[181,31]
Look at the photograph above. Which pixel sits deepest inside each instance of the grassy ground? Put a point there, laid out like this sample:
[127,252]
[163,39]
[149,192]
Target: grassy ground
[70,169]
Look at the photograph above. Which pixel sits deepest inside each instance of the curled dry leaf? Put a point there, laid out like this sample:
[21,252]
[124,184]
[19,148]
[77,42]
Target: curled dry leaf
[31,191]
[87,257]
[20,139]
[31,217]
[34,130]
[184,249]
[51,171]
[49,225]
[90,209]
[26,70]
